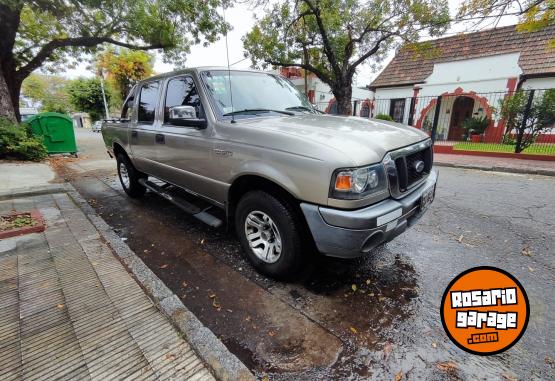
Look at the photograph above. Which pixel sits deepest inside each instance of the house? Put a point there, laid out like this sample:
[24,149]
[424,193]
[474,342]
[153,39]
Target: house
[467,74]
[320,94]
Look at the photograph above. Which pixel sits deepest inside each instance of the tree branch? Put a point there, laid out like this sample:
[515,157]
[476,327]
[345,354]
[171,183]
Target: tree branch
[372,51]
[51,46]
[325,40]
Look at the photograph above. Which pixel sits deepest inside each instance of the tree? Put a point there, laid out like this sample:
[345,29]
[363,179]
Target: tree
[86,95]
[49,91]
[534,14]
[527,114]
[51,33]
[125,68]
[331,38]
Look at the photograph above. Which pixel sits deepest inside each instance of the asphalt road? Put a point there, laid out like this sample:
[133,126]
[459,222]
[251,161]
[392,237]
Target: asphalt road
[372,318]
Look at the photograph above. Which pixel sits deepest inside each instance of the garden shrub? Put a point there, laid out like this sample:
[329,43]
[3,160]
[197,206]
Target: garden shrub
[384,117]
[17,142]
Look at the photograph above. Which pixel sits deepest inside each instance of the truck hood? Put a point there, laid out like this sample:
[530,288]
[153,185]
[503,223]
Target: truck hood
[364,141]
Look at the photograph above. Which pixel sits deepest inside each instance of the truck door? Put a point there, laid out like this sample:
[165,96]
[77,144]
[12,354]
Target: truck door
[143,132]
[185,156]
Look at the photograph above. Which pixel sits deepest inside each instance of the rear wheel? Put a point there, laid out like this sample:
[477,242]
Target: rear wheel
[270,233]
[129,177]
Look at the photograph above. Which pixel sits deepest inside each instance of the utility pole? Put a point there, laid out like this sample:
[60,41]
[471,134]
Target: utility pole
[104,94]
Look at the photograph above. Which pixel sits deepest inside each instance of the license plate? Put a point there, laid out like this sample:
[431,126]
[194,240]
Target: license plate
[427,198]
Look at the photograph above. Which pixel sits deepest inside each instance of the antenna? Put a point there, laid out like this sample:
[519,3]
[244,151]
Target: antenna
[228,68]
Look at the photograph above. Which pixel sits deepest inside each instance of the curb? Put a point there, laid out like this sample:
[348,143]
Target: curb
[224,365]
[35,191]
[525,171]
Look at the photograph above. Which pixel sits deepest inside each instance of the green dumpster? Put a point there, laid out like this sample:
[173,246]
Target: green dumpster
[56,130]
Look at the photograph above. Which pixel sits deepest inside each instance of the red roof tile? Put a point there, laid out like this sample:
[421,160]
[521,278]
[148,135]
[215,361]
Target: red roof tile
[535,55]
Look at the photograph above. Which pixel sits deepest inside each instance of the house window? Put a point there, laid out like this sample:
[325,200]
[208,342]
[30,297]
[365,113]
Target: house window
[397,109]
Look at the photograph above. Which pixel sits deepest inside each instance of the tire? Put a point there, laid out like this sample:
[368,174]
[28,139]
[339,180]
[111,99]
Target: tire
[281,218]
[129,177]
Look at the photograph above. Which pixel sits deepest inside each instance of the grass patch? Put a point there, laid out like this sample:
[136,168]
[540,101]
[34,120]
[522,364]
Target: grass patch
[534,149]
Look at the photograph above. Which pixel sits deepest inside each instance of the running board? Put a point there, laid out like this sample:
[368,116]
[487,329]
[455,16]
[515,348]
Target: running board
[183,204]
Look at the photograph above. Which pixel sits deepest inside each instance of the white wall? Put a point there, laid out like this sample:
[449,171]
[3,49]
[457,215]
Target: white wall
[384,95]
[539,83]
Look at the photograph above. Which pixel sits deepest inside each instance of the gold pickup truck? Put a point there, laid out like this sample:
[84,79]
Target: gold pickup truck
[286,175]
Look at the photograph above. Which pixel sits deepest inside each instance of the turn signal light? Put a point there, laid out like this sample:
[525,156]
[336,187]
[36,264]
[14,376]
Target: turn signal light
[343,182]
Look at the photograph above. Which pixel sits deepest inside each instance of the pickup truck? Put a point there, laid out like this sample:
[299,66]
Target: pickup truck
[288,177]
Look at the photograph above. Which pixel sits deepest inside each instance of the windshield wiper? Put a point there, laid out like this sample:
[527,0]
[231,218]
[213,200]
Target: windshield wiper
[255,110]
[300,108]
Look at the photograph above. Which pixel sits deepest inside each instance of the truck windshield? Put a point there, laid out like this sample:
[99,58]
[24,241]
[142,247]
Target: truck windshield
[254,94]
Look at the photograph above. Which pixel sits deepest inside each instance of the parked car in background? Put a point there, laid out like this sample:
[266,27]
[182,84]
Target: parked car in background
[97,126]
[286,175]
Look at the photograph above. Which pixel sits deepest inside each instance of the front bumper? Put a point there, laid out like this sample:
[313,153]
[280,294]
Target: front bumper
[352,233]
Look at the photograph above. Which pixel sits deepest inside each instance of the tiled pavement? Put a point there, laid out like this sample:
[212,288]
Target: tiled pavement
[70,311]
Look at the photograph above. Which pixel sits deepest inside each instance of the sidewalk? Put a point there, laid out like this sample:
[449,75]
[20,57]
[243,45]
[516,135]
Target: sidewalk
[70,310]
[536,167]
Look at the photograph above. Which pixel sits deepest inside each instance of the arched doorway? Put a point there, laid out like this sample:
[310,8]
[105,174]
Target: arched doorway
[463,108]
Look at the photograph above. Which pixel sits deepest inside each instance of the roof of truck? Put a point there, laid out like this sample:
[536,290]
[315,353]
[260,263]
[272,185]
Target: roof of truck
[196,69]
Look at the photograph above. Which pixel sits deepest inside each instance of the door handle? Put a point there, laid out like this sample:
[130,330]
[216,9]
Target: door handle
[160,139]
[134,134]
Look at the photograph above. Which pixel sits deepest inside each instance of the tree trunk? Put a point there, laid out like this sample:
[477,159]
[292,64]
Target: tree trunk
[10,82]
[343,95]
[7,108]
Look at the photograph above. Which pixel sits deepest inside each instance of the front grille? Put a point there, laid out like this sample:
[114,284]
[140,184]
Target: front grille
[412,165]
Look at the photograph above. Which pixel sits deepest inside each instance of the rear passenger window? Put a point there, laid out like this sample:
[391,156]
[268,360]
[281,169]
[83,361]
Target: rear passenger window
[147,102]
[182,92]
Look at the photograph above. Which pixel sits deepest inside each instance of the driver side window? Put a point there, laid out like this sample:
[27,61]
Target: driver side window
[181,91]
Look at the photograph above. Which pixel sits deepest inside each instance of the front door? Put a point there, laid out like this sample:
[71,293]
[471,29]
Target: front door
[185,156]
[462,110]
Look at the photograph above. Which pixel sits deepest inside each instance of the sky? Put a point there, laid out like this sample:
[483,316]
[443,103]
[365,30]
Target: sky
[242,19]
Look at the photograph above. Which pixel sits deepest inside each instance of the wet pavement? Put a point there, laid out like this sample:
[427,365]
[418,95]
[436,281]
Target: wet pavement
[376,317]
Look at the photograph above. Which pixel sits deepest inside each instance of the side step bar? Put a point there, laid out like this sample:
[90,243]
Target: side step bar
[183,204]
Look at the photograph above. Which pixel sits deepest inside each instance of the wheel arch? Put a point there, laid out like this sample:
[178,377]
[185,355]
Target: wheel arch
[250,182]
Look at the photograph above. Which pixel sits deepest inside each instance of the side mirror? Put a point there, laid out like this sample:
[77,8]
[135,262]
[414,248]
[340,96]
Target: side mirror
[185,116]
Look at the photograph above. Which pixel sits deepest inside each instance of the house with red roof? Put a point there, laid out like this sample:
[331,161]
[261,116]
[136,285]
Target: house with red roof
[471,71]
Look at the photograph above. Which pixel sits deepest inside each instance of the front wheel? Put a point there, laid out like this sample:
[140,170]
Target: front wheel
[270,233]
[129,177]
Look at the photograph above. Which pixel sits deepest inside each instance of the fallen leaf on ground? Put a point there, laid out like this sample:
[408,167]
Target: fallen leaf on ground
[399,376]
[184,284]
[508,377]
[434,345]
[387,349]
[526,251]
[447,366]
[202,241]
[371,294]
[381,298]
[61,306]
[531,269]
[271,333]
[353,330]
[368,281]
[164,266]
[459,240]
[354,287]
[170,356]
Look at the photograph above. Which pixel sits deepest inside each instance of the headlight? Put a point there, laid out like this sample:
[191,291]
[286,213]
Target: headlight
[355,183]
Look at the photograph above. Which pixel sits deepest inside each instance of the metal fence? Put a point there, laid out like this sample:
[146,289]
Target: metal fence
[513,122]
